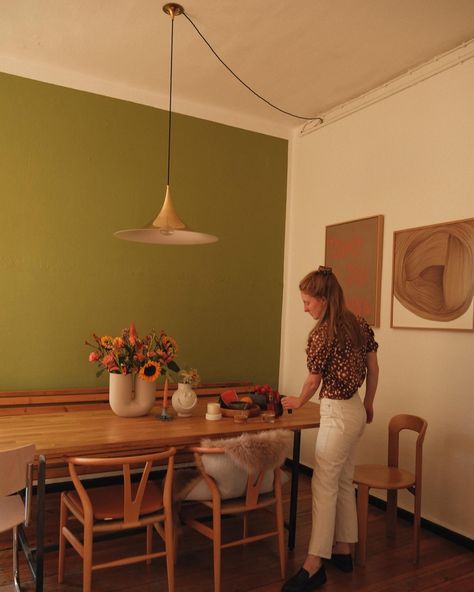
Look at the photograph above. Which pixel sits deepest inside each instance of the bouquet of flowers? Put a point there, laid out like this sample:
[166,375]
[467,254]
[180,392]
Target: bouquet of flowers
[149,357]
[157,356]
[189,376]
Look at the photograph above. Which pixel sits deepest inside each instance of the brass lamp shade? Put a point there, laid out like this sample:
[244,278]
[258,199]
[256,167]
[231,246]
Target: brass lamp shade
[166,228]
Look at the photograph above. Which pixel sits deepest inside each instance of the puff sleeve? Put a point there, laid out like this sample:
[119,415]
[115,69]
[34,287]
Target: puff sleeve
[318,351]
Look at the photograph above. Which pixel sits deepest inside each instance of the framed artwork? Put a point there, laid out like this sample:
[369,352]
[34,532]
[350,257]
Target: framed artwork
[354,251]
[433,277]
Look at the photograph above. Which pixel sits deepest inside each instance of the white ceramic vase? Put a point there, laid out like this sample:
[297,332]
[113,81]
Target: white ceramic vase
[127,403]
[184,400]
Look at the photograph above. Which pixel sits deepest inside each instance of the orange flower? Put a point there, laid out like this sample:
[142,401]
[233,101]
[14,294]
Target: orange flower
[133,333]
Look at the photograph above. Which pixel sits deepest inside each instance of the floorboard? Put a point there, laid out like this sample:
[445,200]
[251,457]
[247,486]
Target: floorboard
[444,566]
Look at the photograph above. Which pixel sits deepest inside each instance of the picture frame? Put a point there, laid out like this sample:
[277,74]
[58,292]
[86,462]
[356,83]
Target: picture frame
[433,277]
[354,252]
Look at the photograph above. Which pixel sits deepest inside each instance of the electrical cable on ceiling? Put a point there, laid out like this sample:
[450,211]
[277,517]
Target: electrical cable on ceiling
[243,83]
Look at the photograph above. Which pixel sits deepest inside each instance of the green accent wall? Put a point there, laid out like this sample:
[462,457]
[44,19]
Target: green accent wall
[74,168]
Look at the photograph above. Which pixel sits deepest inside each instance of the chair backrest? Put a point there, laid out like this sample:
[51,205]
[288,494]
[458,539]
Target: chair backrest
[132,503]
[254,479]
[15,468]
[406,422]
[256,454]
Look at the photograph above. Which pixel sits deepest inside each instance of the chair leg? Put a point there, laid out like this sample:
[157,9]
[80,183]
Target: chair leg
[149,535]
[280,523]
[416,524]
[216,528]
[246,523]
[16,571]
[63,515]
[362,519]
[392,498]
[87,561]
[170,549]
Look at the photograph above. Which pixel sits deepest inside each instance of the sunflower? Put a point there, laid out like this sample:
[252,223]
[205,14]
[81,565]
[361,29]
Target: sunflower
[106,341]
[150,371]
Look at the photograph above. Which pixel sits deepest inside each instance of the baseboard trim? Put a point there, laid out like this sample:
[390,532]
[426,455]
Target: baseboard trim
[404,514]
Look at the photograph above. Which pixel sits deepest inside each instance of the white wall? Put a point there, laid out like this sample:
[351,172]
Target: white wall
[410,158]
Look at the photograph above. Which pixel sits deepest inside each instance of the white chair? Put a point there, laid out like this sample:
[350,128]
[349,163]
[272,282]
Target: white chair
[16,470]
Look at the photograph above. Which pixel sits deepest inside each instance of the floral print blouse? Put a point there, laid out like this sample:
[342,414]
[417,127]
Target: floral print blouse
[343,370]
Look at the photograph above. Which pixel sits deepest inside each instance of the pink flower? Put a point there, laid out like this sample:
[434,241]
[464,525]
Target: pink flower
[94,356]
[109,361]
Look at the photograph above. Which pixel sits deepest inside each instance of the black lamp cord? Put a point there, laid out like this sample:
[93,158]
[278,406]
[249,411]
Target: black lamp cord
[170,94]
[243,83]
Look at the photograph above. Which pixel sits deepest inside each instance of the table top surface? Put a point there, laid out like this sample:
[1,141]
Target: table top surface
[100,432]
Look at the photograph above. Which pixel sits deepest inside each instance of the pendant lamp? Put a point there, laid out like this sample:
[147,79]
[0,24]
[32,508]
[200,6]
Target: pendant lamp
[167,228]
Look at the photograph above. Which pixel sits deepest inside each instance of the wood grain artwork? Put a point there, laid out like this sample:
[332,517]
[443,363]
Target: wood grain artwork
[354,251]
[433,277]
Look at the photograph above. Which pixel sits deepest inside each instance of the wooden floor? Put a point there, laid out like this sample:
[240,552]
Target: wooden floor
[444,567]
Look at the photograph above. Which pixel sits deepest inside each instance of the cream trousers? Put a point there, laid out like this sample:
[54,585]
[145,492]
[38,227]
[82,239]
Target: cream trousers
[334,507]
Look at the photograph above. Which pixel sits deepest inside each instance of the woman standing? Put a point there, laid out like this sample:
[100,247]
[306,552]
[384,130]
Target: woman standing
[341,353]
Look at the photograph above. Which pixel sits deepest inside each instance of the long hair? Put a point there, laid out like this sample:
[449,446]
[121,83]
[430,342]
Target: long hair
[342,323]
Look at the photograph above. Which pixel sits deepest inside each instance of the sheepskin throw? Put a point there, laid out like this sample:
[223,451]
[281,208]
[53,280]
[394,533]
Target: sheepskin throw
[255,452]
[260,452]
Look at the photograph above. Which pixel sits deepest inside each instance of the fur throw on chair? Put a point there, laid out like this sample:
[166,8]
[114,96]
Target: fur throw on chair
[250,452]
[258,452]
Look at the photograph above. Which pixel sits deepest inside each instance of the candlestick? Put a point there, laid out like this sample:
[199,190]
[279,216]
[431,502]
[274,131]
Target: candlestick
[164,416]
[165,394]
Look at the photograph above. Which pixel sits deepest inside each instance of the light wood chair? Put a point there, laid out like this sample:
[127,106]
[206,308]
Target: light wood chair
[16,470]
[391,478]
[116,508]
[253,499]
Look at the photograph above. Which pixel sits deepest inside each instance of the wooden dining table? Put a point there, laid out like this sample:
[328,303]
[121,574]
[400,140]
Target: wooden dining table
[102,433]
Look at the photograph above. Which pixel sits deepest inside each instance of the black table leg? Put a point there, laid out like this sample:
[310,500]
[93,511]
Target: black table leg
[294,489]
[40,517]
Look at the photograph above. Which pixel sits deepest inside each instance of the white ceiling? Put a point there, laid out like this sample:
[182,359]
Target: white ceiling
[306,57]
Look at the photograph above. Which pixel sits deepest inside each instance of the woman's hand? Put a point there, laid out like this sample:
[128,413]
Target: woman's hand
[369,411]
[291,402]
[310,386]
[371,385]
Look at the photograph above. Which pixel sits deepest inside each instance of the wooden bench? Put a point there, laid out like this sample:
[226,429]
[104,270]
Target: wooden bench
[76,399]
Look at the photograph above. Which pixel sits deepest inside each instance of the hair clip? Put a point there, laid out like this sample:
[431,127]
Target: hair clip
[324,270]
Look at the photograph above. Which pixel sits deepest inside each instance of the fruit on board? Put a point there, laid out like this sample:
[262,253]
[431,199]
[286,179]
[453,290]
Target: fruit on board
[247,400]
[228,396]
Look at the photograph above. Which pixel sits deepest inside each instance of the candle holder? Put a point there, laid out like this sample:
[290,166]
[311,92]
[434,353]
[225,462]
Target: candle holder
[164,415]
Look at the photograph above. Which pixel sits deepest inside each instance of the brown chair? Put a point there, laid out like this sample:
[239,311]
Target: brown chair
[391,478]
[115,508]
[253,499]
[15,470]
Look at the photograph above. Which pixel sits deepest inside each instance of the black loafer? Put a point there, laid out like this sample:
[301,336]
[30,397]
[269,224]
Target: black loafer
[342,561]
[303,582]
